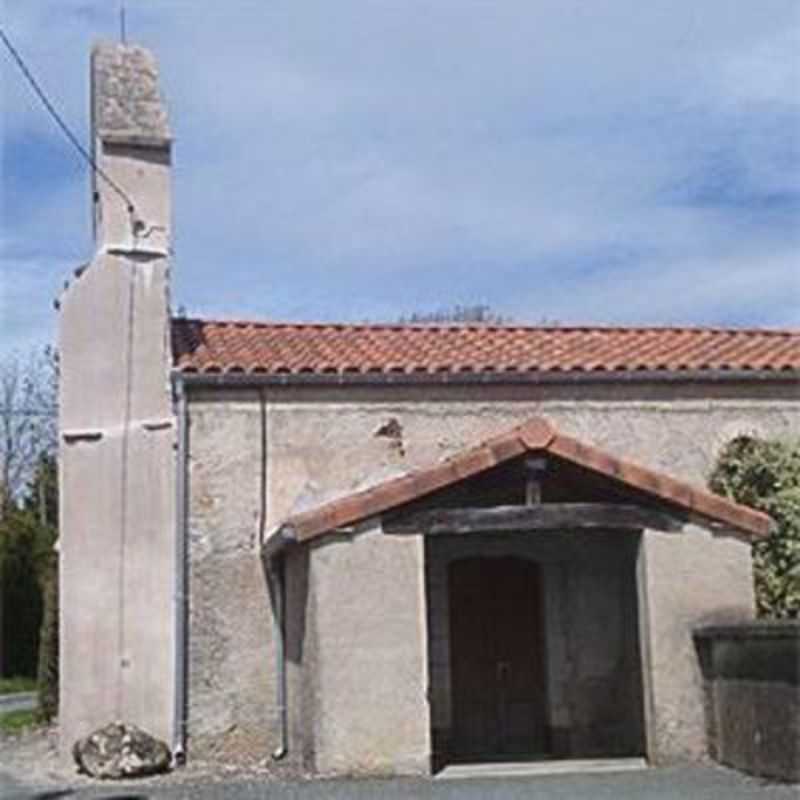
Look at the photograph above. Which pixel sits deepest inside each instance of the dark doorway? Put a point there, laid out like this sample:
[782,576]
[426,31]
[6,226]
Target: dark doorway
[497,659]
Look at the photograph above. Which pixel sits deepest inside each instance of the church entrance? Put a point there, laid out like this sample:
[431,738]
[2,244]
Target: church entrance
[533,646]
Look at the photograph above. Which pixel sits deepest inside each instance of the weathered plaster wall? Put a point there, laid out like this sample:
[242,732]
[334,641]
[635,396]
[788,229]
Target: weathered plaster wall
[117,534]
[324,442]
[689,580]
[231,673]
[370,657]
[117,488]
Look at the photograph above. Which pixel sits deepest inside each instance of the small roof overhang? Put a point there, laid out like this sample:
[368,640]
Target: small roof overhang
[535,437]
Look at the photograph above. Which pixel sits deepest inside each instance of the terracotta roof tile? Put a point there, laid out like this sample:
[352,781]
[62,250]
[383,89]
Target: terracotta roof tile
[534,436]
[287,349]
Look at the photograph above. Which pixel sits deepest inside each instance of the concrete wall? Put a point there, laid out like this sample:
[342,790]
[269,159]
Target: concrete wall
[306,445]
[117,457]
[752,675]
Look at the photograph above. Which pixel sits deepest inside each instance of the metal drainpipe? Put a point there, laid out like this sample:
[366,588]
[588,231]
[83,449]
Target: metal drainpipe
[181,532]
[277,572]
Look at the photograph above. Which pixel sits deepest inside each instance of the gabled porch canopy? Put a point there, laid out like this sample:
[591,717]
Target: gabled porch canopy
[659,498]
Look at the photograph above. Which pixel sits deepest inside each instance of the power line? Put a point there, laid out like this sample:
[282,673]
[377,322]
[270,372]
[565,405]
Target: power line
[63,125]
[27,412]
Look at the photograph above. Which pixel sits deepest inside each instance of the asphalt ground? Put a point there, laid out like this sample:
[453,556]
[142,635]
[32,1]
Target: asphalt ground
[686,783]
[23,701]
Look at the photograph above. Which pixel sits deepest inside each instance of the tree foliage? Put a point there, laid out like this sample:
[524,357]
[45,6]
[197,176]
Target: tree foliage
[41,503]
[765,475]
[27,536]
[480,314]
[28,416]
[29,521]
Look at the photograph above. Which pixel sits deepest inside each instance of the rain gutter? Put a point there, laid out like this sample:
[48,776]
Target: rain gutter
[255,379]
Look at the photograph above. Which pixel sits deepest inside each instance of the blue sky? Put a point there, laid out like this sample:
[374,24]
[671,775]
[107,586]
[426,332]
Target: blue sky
[585,162]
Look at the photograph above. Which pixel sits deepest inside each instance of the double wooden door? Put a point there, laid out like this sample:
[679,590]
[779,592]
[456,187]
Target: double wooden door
[497,664]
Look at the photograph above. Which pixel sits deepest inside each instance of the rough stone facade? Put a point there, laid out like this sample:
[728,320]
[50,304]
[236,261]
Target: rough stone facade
[126,99]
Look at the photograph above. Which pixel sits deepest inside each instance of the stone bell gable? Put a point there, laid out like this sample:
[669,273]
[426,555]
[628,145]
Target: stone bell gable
[117,430]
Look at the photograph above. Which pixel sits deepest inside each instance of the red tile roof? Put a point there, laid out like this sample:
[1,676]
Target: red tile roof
[535,436]
[288,349]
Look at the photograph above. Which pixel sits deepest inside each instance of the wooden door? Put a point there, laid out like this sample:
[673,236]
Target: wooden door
[497,676]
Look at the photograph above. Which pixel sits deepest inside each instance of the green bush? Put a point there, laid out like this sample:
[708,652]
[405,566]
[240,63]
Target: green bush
[29,582]
[47,674]
[20,540]
[765,475]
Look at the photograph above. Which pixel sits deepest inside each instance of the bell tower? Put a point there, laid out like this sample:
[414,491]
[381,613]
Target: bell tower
[117,429]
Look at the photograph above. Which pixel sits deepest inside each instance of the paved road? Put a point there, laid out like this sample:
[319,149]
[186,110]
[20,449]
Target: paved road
[695,783]
[21,701]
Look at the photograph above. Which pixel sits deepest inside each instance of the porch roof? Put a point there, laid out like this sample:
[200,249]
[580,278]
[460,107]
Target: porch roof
[535,437]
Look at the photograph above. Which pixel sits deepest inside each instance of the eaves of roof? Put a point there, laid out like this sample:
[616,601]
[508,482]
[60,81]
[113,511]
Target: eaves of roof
[214,352]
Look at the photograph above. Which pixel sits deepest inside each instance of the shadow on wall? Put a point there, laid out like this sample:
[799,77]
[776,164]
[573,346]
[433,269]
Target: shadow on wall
[287,593]
[295,568]
[752,676]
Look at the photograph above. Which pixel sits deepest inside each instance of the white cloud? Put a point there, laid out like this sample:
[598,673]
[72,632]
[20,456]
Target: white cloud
[751,288]
[359,159]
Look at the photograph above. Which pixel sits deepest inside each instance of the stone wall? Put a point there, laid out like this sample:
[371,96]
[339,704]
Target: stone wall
[752,675]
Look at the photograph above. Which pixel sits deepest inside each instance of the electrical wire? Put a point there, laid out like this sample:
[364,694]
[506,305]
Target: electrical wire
[63,125]
[27,412]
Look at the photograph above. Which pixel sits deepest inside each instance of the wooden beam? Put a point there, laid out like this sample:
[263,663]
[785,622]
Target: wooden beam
[535,469]
[541,517]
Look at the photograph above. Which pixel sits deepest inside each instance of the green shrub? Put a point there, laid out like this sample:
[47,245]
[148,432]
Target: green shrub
[29,583]
[765,475]
[20,539]
[48,642]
